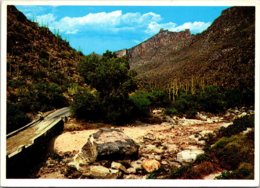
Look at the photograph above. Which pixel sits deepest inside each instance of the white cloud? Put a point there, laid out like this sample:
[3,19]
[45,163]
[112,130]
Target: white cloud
[46,19]
[116,21]
[195,27]
[154,27]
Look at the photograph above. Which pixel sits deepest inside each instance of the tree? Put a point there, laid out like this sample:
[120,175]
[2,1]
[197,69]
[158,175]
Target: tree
[111,77]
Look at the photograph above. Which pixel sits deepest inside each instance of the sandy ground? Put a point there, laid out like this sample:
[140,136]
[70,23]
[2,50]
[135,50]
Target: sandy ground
[178,135]
[175,137]
[75,140]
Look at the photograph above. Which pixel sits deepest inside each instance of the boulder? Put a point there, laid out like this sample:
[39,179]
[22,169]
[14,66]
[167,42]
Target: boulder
[188,156]
[101,172]
[106,144]
[151,165]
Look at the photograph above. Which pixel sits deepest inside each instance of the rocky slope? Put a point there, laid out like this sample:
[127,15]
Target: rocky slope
[41,68]
[159,45]
[222,55]
[34,53]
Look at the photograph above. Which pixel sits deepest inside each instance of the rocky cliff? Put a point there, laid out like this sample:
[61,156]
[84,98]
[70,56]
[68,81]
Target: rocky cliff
[159,45]
[222,55]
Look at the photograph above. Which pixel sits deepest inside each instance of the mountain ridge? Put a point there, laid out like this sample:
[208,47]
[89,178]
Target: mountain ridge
[221,55]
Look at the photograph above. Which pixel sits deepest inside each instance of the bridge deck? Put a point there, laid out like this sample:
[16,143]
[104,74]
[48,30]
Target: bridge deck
[26,137]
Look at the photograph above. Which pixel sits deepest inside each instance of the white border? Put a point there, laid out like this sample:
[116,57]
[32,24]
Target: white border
[126,183]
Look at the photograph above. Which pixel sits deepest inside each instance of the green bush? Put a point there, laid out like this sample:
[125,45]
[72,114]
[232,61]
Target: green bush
[86,106]
[46,96]
[239,125]
[231,151]
[244,171]
[212,99]
[143,101]
[185,104]
[171,111]
[16,118]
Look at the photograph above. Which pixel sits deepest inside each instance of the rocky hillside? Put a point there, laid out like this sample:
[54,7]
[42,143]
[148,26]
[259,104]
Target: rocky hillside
[222,55]
[41,68]
[159,45]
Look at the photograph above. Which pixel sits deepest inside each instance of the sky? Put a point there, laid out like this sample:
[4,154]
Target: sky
[100,28]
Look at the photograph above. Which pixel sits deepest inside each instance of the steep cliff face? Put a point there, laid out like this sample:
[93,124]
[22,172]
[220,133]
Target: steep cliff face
[158,45]
[222,55]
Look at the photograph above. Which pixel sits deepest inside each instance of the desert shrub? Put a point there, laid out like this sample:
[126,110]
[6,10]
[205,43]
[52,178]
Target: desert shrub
[85,106]
[202,158]
[170,111]
[179,172]
[158,98]
[244,171]
[185,104]
[212,99]
[143,100]
[231,151]
[16,118]
[200,170]
[239,125]
[117,109]
[45,96]
[15,83]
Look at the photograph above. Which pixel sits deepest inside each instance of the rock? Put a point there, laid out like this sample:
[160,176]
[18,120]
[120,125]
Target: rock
[151,165]
[166,124]
[242,114]
[225,125]
[157,112]
[171,120]
[157,157]
[197,139]
[170,147]
[201,116]
[133,176]
[106,144]
[247,131]
[118,166]
[204,133]
[188,122]
[149,136]
[137,165]
[164,162]
[152,149]
[100,172]
[188,156]
[131,170]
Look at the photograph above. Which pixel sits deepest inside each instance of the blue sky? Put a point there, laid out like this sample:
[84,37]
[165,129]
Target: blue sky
[100,28]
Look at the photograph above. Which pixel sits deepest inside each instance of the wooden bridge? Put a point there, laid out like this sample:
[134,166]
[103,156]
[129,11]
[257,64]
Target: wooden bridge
[26,136]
